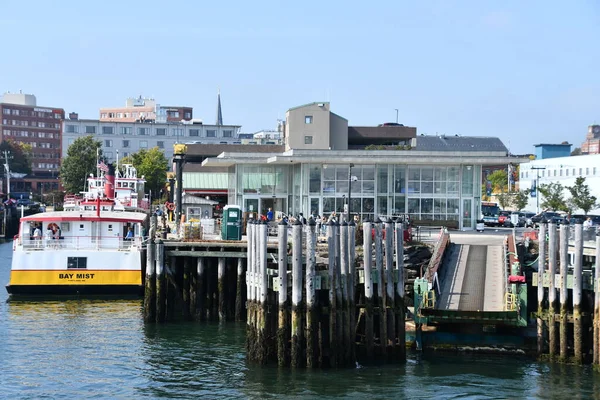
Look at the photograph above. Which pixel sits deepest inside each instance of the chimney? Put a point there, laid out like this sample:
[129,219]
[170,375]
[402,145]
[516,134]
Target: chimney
[109,184]
[73,116]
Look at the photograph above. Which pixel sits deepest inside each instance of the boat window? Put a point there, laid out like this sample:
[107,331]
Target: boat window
[65,226]
[81,227]
[110,228]
[118,184]
[76,262]
[131,184]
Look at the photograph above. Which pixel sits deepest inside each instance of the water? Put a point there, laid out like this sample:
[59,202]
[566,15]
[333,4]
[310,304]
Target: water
[102,349]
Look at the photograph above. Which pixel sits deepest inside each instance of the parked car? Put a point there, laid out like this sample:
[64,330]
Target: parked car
[525,219]
[545,216]
[504,218]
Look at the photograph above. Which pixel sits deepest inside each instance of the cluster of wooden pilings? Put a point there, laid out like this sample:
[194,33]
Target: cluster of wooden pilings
[194,281]
[568,298]
[306,310]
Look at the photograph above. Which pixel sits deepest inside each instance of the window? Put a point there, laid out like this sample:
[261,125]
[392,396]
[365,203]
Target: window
[108,143]
[125,130]
[6,111]
[125,143]
[211,133]
[194,132]
[90,129]
[108,155]
[71,128]
[173,114]
[187,115]
[103,115]
[228,133]
[142,131]
[177,132]
[108,130]
[308,139]
[161,131]
[76,262]
[15,112]
[160,144]
[308,119]
[143,144]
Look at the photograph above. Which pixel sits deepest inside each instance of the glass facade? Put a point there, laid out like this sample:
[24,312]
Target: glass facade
[436,193]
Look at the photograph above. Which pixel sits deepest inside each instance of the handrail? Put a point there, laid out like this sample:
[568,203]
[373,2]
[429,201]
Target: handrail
[81,243]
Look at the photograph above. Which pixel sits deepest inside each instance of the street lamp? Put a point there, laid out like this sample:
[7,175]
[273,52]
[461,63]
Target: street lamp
[350,180]
[537,184]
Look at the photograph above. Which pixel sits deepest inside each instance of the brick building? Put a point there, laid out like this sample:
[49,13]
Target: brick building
[591,145]
[23,121]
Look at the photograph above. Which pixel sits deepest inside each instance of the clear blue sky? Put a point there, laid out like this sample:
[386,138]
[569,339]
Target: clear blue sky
[525,71]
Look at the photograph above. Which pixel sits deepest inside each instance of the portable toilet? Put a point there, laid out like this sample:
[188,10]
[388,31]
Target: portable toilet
[231,225]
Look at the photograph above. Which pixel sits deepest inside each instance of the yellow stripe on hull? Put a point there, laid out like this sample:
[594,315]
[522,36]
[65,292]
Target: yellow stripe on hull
[75,277]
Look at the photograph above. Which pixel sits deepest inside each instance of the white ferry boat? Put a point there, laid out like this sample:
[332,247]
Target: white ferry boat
[94,249]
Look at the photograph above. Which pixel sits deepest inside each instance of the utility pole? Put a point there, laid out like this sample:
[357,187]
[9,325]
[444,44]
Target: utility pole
[537,184]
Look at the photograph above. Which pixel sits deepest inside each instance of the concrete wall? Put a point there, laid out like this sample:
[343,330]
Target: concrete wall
[338,132]
[297,129]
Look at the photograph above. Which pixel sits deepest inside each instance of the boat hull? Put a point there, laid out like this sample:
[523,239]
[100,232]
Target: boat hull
[29,290]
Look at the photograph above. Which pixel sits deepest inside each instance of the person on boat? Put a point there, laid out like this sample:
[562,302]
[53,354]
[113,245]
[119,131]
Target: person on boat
[129,235]
[37,235]
[48,235]
[270,215]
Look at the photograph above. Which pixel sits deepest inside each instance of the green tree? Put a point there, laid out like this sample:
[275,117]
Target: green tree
[499,179]
[554,196]
[521,199]
[504,199]
[79,162]
[576,151]
[153,165]
[19,158]
[581,196]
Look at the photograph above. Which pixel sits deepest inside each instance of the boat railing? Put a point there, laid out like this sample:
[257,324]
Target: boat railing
[81,243]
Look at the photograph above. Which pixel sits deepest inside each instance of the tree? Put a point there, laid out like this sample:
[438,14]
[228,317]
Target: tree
[581,196]
[504,199]
[499,179]
[553,196]
[153,165]
[20,156]
[80,161]
[521,199]
[576,151]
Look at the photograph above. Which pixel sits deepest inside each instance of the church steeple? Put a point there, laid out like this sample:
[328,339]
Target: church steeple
[219,113]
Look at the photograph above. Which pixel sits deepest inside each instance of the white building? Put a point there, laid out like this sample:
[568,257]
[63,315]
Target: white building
[130,137]
[563,170]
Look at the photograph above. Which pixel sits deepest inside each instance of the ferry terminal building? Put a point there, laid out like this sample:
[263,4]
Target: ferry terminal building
[431,178]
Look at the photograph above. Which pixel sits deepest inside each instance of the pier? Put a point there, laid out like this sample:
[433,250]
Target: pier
[312,300]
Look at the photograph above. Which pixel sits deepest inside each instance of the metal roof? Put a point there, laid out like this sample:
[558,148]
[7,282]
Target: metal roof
[205,180]
[75,215]
[459,143]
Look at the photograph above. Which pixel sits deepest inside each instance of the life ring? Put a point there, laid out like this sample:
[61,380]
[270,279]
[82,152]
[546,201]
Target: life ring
[170,206]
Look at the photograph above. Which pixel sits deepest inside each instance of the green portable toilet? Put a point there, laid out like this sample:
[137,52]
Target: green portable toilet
[231,225]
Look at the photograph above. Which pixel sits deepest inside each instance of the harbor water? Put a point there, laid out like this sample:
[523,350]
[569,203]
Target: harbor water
[91,348]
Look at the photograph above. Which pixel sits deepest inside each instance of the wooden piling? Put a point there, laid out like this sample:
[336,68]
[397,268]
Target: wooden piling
[221,289]
[381,296]
[210,289]
[251,332]
[389,287]
[239,290]
[193,305]
[339,307]
[368,287]
[400,290]
[346,352]
[150,284]
[332,300]
[187,269]
[201,296]
[312,322]
[296,350]
[577,294]
[282,264]
[160,281]
[540,289]
[261,254]
[596,344]
[563,251]
[352,280]
[552,238]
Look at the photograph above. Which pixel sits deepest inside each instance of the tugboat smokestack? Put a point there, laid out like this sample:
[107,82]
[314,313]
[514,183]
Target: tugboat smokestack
[109,184]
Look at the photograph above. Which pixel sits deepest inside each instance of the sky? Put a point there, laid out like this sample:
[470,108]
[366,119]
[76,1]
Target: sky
[526,72]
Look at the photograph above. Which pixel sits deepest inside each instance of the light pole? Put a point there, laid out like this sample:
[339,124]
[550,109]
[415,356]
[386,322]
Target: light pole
[349,190]
[537,184]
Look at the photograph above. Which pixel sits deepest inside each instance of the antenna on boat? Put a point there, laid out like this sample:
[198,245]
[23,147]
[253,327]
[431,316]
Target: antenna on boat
[97,161]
